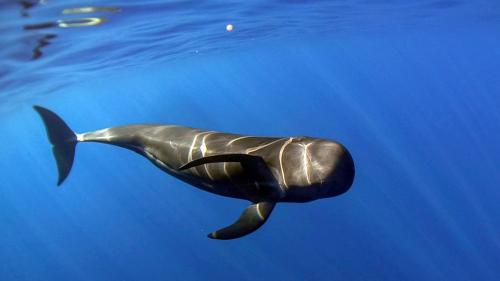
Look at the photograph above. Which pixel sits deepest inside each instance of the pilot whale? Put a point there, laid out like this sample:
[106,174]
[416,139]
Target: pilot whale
[262,170]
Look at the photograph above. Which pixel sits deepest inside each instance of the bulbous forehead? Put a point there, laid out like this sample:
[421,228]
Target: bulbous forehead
[325,150]
[308,161]
[324,155]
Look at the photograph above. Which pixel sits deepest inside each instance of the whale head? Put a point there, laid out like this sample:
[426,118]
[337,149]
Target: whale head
[316,168]
[331,168]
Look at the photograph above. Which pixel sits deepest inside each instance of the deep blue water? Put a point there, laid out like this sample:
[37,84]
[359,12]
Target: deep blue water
[411,89]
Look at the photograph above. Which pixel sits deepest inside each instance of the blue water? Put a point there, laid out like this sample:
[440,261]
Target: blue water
[411,89]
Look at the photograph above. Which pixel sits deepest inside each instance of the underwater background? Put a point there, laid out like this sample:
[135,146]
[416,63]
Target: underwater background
[411,88]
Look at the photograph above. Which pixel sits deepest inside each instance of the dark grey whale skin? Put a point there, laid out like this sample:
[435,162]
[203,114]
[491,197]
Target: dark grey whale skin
[304,168]
[263,170]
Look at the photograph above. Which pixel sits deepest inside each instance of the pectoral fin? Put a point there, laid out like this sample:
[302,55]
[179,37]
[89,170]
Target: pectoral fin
[250,220]
[254,165]
[247,161]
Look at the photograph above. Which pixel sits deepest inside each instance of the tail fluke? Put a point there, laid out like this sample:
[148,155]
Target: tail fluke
[63,141]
